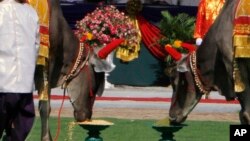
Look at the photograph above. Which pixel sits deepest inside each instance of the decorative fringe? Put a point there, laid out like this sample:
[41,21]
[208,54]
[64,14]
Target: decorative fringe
[239,86]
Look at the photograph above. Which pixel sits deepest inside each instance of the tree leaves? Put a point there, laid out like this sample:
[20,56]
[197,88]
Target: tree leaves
[180,27]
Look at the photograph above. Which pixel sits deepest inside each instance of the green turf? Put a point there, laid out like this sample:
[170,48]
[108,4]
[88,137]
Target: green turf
[137,130]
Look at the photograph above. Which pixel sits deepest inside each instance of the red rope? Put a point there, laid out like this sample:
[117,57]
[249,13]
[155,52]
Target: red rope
[60,110]
[59,118]
[89,80]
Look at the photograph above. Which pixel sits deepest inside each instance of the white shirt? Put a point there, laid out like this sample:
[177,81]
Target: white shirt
[19,42]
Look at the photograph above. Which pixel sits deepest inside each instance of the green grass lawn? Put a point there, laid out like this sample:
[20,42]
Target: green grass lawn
[136,130]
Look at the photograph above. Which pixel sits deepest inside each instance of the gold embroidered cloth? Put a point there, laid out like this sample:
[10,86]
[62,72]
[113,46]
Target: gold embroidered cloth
[132,51]
[242,29]
[42,8]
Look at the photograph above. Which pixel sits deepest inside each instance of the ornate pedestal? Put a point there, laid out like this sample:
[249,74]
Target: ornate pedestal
[94,128]
[166,130]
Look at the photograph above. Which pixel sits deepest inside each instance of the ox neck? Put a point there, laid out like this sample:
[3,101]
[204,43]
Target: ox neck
[205,59]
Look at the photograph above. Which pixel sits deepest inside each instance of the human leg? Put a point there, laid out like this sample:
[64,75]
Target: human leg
[2,115]
[7,111]
[23,120]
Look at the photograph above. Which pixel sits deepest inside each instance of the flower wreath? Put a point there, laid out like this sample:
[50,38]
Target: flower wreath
[107,28]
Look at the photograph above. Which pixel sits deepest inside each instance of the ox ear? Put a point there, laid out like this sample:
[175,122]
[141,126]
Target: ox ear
[102,65]
[181,64]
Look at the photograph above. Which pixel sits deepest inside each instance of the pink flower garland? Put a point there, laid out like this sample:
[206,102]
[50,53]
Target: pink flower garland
[106,23]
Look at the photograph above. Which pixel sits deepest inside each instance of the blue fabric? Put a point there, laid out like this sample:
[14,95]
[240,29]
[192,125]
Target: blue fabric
[76,11]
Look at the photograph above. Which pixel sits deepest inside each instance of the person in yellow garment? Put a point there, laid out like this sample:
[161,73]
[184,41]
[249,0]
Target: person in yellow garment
[19,37]
[208,11]
[241,36]
[42,9]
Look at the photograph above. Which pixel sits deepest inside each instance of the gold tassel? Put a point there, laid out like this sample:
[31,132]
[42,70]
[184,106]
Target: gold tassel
[43,89]
[44,94]
[239,86]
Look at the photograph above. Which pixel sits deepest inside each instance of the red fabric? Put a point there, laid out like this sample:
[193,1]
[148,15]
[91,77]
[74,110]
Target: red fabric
[242,20]
[44,30]
[104,52]
[173,52]
[83,38]
[243,17]
[150,37]
[189,47]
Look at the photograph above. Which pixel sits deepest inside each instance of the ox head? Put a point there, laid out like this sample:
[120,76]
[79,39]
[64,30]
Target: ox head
[185,97]
[214,60]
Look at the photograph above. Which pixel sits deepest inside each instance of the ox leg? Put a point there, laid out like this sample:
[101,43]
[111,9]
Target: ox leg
[44,110]
[244,114]
[244,97]
[44,101]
